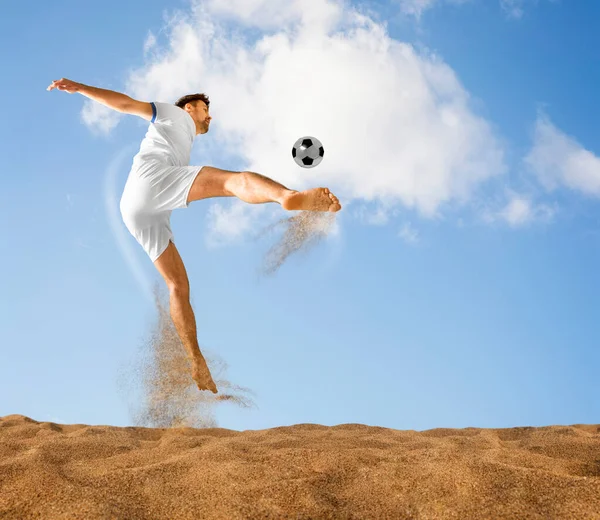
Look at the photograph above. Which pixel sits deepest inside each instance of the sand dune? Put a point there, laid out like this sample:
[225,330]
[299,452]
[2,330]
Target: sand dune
[52,471]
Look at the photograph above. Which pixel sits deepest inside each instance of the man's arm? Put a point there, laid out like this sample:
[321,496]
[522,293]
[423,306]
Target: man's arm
[110,98]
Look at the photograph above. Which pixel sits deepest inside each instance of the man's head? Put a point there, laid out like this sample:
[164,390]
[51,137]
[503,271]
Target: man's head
[196,105]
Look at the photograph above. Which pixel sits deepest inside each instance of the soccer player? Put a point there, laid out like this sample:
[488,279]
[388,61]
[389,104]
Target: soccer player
[161,180]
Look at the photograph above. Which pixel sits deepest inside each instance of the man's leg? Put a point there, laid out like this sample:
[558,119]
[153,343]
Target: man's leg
[171,267]
[255,188]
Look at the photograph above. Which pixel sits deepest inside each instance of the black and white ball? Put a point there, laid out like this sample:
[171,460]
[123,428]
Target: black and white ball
[308,152]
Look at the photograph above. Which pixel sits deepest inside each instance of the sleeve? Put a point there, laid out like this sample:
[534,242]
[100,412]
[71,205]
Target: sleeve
[165,113]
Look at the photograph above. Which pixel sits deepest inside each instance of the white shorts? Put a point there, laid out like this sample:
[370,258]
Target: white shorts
[152,191]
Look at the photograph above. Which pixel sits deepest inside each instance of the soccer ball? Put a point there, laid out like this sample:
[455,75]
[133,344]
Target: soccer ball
[308,152]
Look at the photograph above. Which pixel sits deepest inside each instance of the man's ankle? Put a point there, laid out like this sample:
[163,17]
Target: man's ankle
[286,195]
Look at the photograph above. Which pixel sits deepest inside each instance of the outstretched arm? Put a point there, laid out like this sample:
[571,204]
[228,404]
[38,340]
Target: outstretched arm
[110,98]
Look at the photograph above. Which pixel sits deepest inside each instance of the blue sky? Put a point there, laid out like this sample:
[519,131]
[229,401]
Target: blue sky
[459,287]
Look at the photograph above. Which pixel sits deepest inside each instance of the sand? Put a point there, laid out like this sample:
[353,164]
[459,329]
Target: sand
[301,233]
[174,463]
[53,471]
[157,383]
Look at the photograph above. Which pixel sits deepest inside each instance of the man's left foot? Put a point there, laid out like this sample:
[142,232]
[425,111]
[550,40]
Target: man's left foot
[316,199]
[201,374]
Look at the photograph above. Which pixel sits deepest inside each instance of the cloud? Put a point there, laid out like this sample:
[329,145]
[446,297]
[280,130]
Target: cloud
[396,124]
[516,8]
[417,7]
[513,8]
[150,43]
[558,160]
[408,233]
[99,117]
[520,210]
[379,216]
[227,225]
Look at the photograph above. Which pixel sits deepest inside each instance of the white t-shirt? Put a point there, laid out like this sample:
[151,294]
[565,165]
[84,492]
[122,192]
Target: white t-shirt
[169,137]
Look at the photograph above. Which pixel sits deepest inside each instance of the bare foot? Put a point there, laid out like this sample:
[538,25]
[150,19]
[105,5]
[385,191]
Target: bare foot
[316,199]
[201,374]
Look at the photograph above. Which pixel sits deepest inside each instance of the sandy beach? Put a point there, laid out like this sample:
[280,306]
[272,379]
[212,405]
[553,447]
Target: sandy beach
[53,471]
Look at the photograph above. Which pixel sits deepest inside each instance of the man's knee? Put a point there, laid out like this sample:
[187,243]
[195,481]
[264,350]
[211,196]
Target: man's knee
[178,284]
[179,289]
[171,267]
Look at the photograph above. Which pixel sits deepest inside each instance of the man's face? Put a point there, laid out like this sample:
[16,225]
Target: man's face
[202,115]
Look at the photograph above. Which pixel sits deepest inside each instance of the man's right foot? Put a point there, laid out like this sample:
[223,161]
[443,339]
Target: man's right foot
[316,199]
[201,374]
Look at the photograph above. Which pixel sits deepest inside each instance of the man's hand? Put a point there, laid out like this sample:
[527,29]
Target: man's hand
[65,84]
[110,98]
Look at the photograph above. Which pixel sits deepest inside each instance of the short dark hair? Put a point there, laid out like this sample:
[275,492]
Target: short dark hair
[192,98]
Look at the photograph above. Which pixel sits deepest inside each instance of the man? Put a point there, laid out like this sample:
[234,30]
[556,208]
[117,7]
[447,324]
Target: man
[161,180]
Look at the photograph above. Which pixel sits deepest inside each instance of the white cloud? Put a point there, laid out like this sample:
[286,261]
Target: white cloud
[150,43]
[517,211]
[516,8]
[99,117]
[379,216]
[513,8]
[226,225]
[558,160]
[417,7]
[397,125]
[408,233]
[520,210]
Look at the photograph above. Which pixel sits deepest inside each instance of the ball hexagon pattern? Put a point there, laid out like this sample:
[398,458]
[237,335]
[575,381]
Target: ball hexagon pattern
[308,152]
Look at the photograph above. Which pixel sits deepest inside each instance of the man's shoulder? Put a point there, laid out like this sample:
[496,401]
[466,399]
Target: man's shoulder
[168,107]
[166,112]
